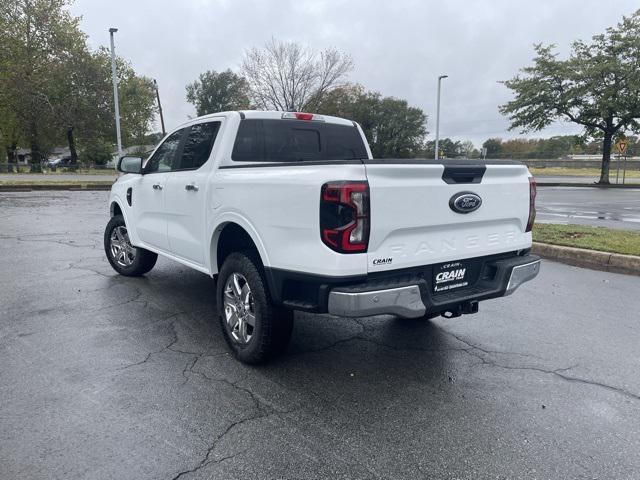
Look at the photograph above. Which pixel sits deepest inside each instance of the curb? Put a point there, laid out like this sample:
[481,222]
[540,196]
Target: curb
[56,186]
[580,257]
[586,185]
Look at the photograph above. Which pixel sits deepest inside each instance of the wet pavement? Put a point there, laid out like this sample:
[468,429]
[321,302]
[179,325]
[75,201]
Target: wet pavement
[107,176]
[611,208]
[107,377]
[585,179]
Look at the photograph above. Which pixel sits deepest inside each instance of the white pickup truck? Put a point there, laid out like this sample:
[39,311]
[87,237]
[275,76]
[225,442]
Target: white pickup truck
[290,212]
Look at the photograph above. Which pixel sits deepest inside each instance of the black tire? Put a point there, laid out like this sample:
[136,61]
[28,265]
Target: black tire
[272,328]
[142,261]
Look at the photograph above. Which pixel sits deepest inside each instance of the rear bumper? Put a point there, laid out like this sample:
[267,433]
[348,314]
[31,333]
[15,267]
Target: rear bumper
[400,301]
[413,298]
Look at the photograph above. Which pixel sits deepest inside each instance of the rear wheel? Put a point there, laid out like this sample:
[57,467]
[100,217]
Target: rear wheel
[253,327]
[125,258]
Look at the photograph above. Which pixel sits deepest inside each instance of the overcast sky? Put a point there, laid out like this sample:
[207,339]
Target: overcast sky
[399,47]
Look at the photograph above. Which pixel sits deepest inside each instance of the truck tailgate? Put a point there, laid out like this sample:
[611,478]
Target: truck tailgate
[413,224]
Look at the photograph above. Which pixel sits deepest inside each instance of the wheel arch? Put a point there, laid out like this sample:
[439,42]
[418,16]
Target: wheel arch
[234,234]
[115,209]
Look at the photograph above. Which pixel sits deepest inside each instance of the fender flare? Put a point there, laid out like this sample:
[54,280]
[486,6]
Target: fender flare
[115,200]
[222,221]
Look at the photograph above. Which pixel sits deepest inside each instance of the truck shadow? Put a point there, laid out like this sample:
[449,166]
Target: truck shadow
[369,363]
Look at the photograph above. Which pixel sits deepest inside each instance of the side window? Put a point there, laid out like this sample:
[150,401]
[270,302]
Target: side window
[162,159]
[198,145]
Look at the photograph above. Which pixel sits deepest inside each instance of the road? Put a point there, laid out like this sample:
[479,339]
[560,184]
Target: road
[58,177]
[108,377]
[611,208]
[583,179]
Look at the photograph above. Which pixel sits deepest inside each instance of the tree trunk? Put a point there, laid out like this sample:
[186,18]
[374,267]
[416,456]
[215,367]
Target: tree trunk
[606,158]
[36,155]
[12,158]
[4,163]
[72,146]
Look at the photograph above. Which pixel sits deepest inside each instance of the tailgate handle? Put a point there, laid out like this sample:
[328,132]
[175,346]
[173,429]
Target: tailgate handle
[463,173]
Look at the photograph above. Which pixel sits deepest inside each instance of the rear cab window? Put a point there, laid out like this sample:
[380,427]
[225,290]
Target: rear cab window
[264,140]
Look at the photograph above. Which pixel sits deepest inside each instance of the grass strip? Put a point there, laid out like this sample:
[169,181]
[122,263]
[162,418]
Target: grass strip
[591,238]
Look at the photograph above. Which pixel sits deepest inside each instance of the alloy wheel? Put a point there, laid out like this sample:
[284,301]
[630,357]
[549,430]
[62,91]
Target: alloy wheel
[239,308]
[120,246]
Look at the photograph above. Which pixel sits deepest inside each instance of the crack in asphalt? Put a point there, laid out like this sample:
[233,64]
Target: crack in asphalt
[69,243]
[74,266]
[359,336]
[206,460]
[259,404]
[188,368]
[568,378]
[489,352]
[173,341]
[261,410]
[481,354]
[556,372]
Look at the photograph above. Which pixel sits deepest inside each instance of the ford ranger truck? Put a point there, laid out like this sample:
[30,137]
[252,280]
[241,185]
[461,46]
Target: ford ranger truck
[289,211]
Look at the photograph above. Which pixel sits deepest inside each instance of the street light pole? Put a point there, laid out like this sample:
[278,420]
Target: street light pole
[115,91]
[437,155]
[155,84]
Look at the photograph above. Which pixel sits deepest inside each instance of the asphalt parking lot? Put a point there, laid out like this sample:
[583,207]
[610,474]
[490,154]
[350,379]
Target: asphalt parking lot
[107,377]
[610,208]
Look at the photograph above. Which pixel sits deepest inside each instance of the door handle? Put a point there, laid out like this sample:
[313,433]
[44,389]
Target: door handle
[157,186]
[192,187]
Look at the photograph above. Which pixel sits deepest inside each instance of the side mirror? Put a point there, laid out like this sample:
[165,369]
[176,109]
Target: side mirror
[128,164]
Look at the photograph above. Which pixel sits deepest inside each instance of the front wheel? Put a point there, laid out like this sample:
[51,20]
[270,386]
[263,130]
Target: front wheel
[252,326]
[125,258]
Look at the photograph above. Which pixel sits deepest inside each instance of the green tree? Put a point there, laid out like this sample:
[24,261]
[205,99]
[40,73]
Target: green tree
[218,92]
[136,95]
[53,89]
[96,152]
[138,108]
[597,87]
[448,148]
[82,99]
[392,127]
[494,147]
[36,37]
[518,148]
[557,146]
[9,139]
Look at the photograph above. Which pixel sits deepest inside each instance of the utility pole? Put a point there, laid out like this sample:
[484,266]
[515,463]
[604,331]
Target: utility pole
[155,84]
[437,155]
[115,91]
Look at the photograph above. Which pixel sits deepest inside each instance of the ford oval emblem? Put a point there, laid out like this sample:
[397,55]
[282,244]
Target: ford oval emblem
[465,202]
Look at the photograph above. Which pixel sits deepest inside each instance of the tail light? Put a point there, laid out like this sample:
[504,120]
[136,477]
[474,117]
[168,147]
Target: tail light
[344,216]
[532,204]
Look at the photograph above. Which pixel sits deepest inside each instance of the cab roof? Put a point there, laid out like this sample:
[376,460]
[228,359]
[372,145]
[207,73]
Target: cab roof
[272,115]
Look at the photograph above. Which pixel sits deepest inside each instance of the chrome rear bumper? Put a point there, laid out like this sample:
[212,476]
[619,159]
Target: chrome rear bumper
[410,302]
[522,274]
[401,301]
